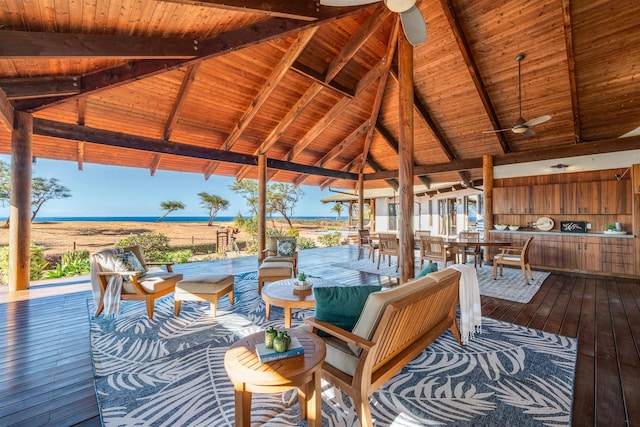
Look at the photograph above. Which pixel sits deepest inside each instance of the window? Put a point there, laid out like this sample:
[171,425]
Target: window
[393,216]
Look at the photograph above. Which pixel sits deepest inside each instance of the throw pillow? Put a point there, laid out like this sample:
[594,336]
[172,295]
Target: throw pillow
[286,247]
[341,305]
[128,261]
[432,267]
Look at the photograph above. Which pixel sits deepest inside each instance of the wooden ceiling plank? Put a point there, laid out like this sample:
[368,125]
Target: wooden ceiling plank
[387,137]
[53,129]
[6,112]
[393,183]
[382,84]
[221,44]
[155,163]
[32,44]
[277,74]
[37,87]
[316,77]
[306,10]
[379,15]
[571,65]
[187,81]
[474,71]
[352,164]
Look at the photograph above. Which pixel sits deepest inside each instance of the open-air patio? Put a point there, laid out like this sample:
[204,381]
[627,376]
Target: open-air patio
[47,376]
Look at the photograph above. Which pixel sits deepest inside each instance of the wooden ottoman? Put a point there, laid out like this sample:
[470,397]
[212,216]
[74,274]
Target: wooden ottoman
[272,271]
[203,287]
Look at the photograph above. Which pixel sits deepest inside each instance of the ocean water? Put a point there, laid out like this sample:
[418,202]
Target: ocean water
[153,218]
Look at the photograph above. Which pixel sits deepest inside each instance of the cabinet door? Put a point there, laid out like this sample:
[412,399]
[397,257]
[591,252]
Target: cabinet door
[588,197]
[524,200]
[553,253]
[568,199]
[550,201]
[589,255]
[615,197]
[501,203]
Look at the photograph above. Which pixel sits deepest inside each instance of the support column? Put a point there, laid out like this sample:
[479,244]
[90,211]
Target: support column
[350,213]
[262,206]
[372,215]
[20,209]
[487,183]
[635,213]
[361,202]
[406,257]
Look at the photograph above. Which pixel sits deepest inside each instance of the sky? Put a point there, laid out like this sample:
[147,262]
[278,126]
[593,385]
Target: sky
[101,190]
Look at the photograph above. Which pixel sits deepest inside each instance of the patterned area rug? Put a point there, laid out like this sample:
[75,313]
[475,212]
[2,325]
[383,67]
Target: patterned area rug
[169,371]
[511,286]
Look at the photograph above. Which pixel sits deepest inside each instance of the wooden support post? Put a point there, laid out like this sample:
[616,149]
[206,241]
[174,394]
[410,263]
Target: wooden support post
[372,215]
[20,209]
[262,206]
[406,257]
[635,213]
[361,202]
[350,213]
[487,183]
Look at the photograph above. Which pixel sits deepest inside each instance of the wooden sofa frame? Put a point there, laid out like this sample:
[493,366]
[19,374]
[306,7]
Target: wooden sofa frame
[407,326]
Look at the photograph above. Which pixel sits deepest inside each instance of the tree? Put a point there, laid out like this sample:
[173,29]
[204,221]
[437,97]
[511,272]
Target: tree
[213,204]
[169,207]
[249,190]
[337,208]
[283,199]
[43,190]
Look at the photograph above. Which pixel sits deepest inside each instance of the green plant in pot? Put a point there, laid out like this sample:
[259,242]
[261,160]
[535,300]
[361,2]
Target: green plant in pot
[302,278]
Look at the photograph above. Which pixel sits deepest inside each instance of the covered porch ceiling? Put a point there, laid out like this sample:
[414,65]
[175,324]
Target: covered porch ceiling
[205,86]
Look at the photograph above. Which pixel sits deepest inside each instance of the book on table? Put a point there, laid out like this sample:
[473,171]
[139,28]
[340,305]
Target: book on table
[269,354]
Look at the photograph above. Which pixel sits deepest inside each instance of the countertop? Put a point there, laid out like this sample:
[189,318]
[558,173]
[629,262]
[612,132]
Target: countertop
[556,233]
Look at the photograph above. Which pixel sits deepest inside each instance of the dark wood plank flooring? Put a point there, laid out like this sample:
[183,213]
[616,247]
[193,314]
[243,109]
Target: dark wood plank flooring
[46,376]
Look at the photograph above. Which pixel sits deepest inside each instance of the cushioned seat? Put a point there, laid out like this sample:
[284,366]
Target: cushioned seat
[273,271]
[154,282]
[203,287]
[282,249]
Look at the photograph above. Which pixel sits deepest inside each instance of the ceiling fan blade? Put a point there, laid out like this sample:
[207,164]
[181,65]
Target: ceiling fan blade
[344,3]
[414,26]
[528,132]
[538,120]
[496,131]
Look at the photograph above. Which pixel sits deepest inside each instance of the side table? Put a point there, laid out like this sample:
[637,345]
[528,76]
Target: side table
[303,372]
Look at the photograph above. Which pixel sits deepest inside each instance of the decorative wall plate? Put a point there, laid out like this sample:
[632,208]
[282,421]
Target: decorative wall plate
[544,223]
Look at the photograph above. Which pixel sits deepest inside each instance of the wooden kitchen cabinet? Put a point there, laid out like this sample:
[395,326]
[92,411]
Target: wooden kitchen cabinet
[615,197]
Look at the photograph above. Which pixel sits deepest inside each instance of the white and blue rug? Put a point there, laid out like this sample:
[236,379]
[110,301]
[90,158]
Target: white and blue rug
[169,371]
[511,286]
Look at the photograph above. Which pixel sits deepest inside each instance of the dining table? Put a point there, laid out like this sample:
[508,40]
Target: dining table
[459,243]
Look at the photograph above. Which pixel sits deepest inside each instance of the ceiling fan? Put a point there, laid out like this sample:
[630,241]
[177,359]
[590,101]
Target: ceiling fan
[522,126]
[412,21]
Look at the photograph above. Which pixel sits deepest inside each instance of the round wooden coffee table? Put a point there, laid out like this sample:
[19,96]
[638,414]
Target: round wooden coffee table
[282,294]
[303,372]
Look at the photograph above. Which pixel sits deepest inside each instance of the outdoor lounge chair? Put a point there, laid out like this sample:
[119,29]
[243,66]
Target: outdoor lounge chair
[275,254]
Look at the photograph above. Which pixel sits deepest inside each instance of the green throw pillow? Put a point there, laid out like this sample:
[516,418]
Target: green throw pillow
[286,247]
[128,261]
[432,267]
[341,305]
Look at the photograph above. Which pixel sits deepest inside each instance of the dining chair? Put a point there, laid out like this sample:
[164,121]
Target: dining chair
[388,245]
[433,248]
[475,251]
[366,242]
[420,233]
[514,255]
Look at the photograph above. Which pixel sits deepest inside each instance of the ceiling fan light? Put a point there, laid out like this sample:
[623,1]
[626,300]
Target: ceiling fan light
[399,6]
[519,129]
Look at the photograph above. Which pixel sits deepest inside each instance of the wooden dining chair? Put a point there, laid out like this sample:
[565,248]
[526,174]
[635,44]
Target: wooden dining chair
[514,255]
[474,251]
[388,245]
[420,233]
[433,248]
[366,243]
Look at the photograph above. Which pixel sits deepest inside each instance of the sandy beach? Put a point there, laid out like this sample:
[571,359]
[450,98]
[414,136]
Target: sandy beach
[60,237]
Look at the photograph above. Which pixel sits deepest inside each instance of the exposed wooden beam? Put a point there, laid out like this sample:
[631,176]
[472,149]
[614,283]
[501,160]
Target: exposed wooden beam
[450,189]
[387,137]
[586,148]
[474,71]
[571,65]
[187,81]
[6,112]
[82,110]
[335,151]
[372,75]
[317,77]
[282,126]
[379,15]
[277,74]
[39,87]
[154,164]
[352,164]
[221,44]
[393,183]
[209,169]
[80,156]
[307,10]
[74,132]
[32,44]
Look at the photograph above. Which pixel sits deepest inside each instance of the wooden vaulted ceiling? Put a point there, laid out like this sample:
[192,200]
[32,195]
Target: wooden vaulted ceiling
[205,86]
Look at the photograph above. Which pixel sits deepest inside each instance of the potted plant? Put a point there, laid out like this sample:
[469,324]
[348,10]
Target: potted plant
[301,283]
[302,279]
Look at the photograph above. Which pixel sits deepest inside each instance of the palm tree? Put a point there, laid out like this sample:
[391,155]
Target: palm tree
[169,207]
[337,208]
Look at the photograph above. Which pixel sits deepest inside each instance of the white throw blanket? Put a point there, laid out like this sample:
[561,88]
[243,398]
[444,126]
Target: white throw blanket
[103,260]
[470,307]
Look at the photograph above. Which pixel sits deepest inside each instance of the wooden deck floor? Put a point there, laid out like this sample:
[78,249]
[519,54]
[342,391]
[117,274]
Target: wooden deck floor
[46,377]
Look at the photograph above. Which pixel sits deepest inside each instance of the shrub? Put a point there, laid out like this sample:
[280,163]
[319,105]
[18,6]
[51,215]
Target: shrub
[73,256]
[305,243]
[275,232]
[36,266]
[154,246]
[330,239]
[178,257]
[293,232]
